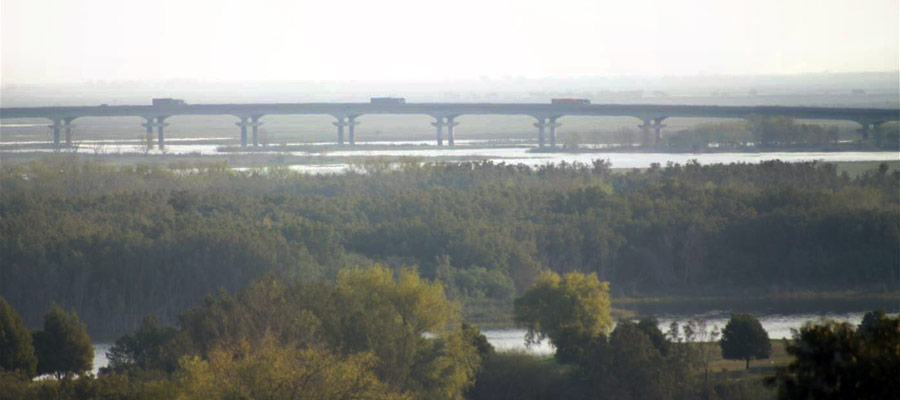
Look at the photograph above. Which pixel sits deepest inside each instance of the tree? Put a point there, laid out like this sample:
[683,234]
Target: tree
[16,350]
[744,338]
[837,361]
[63,347]
[403,323]
[408,324]
[637,369]
[570,311]
[271,370]
[148,348]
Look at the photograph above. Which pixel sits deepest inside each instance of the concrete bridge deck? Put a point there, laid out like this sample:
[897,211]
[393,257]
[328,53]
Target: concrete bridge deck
[345,115]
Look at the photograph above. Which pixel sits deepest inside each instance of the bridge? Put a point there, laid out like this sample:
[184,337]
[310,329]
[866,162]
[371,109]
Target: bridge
[249,115]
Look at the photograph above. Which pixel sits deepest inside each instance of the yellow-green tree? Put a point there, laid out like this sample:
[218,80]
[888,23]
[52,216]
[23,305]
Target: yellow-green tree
[407,323]
[403,323]
[272,370]
[570,310]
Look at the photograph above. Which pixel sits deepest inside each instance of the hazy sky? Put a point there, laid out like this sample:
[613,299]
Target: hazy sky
[50,41]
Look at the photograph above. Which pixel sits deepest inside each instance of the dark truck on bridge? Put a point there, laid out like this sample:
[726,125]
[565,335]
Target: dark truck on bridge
[387,100]
[570,101]
[164,102]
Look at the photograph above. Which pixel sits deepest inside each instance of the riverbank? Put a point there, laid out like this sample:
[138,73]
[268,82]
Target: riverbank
[499,315]
[614,148]
[325,161]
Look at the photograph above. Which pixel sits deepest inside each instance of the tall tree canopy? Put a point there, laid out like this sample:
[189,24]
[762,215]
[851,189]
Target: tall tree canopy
[16,350]
[839,361]
[569,310]
[63,347]
[743,338]
[393,326]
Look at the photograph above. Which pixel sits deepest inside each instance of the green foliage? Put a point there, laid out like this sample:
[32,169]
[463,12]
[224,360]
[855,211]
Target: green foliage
[147,348]
[106,387]
[743,338]
[391,318]
[116,244]
[269,370]
[519,376]
[473,336]
[838,361]
[16,350]
[635,367]
[398,328]
[783,131]
[476,283]
[63,347]
[568,310]
[635,360]
[727,135]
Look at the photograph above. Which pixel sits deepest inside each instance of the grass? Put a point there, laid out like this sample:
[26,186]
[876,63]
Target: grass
[856,168]
[779,358]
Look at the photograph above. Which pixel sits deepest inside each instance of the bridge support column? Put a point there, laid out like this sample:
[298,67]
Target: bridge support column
[159,124]
[866,129]
[553,125]
[149,126]
[160,133]
[351,129]
[340,123]
[56,127]
[439,125]
[645,132]
[68,126]
[451,140]
[243,124]
[541,125]
[657,130]
[255,123]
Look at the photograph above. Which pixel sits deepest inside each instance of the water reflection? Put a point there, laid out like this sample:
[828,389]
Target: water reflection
[510,152]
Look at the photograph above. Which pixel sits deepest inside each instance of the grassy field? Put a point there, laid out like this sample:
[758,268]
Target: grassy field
[856,168]
[779,358]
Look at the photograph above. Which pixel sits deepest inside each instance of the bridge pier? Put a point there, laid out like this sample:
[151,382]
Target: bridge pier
[255,123]
[439,125]
[656,125]
[553,125]
[351,129]
[243,124]
[866,130]
[160,124]
[541,125]
[645,132]
[56,127]
[451,140]
[160,136]
[68,127]
[148,125]
[340,123]
[657,130]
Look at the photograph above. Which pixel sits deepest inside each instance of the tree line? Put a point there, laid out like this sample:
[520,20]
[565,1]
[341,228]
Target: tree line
[118,243]
[378,333]
[777,132]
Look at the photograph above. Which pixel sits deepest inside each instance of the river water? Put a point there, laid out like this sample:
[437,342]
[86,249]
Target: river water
[513,153]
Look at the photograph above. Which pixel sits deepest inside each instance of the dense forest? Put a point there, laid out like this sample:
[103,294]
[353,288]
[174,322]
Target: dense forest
[118,243]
